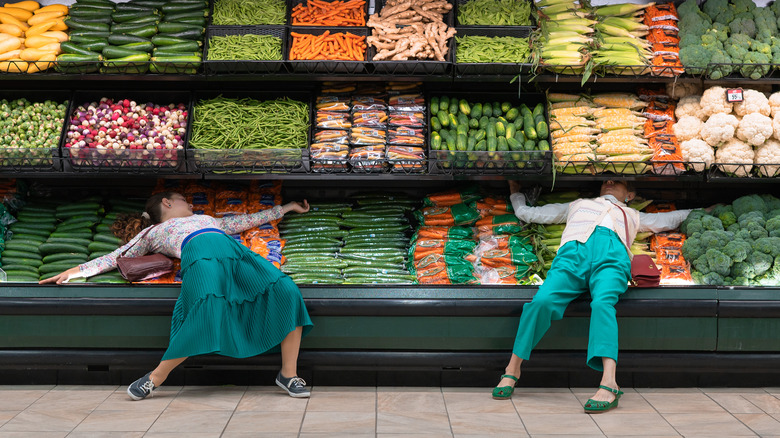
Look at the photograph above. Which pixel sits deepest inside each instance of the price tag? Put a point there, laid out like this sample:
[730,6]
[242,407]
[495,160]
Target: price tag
[734,95]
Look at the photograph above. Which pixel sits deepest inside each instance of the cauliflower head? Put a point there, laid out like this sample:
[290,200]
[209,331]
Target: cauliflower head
[699,153]
[767,155]
[755,129]
[719,128]
[689,106]
[774,103]
[752,102]
[713,101]
[737,153]
[687,128]
[682,89]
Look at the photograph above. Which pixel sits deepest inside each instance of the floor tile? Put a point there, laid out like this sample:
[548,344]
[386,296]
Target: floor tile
[263,401]
[668,390]
[344,388]
[410,402]
[560,424]
[733,390]
[415,435]
[122,402]
[680,403]
[336,435]
[348,422]
[477,403]
[705,424]
[179,435]
[207,399]
[267,422]
[600,435]
[257,434]
[185,422]
[6,416]
[761,424]
[17,400]
[630,403]
[412,422]
[734,403]
[33,434]
[408,389]
[116,421]
[766,402]
[73,400]
[342,402]
[76,434]
[109,388]
[617,423]
[269,388]
[49,420]
[26,387]
[546,403]
[486,424]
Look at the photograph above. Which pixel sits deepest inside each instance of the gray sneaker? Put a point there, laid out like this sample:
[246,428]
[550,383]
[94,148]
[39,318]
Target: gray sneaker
[295,386]
[141,388]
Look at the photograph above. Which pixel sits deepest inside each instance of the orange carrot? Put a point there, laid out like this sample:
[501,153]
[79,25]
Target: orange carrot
[335,13]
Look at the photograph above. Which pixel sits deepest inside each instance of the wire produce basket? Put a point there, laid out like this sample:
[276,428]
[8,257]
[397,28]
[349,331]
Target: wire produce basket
[459,4]
[326,66]
[293,3]
[245,66]
[249,161]
[29,159]
[490,163]
[716,71]
[491,68]
[731,171]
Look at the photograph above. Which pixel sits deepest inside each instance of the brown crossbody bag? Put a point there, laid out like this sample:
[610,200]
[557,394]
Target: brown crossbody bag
[143,267]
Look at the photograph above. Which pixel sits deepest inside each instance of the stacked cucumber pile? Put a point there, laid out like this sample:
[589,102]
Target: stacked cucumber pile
[458,125]
[22,258]
[375,248]
[127,36]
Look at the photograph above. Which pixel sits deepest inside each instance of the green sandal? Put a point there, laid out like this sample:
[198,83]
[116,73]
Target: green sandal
[597,407]
[504,392]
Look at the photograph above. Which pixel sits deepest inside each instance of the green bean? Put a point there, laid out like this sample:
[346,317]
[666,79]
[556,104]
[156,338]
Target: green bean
[237,12]
[495,13]
[224,123]
[245,48]
[481,49]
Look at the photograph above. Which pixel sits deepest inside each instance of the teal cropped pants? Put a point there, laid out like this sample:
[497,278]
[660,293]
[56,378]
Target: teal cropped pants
[600,265]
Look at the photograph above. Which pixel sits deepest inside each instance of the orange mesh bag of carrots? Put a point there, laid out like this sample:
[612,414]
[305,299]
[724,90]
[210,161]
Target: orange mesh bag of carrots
[341,46]
[494,206]
[450,273]
[458,214]
[675,275]
[667,241]
[231,200]
[329,13]
[443,233]
[498,220]
[667,155]
[448,248]
[664,256]
[452,197]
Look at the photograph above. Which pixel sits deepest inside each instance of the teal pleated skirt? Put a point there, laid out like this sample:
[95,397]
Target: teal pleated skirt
[233,302]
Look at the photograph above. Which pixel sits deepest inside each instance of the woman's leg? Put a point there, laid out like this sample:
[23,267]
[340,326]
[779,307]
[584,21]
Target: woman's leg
[608,379]
[291,345]
[164,368]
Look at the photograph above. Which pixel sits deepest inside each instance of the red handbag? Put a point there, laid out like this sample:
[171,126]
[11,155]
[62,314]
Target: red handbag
[644,272]
[143,267]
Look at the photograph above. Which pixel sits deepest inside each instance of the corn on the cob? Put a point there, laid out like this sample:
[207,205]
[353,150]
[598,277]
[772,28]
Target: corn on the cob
[614,112]
[567,124]
[566,104]
[573,139]
[623,149]
[621,138]
[619,100]
[628,157]
[578,130]
[579,111]
[622,132]
[575,145]
[581,157]
[620,9]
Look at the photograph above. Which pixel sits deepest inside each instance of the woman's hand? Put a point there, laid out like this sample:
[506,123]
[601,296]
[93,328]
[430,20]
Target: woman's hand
[514,186]
[59,278]
[297,207]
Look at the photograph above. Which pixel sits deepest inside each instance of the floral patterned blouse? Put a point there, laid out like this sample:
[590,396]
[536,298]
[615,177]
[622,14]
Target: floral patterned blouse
[167,237]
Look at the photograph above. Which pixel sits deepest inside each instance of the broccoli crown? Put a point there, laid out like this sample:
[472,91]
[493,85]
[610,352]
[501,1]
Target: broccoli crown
[688,7]
[739,281]
[712,223]
[737,52]
[695,215]
[764,48]
[741,6]
[713,8]
[746,204]
[715,239]
[728,218]
[773,226]
[743,270]
[702,265]
[743,24]
[738,250]
[761,262]
[695,56]
[772,213]
[756,231]
[712,278]
[718,262]
[721,208]
[753,217]
[771,202]
[720,30]
[768,245]
[755,65]
[699,23]
[692,249]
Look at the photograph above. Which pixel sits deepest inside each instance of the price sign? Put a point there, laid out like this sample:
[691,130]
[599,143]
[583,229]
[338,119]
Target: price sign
[734,95]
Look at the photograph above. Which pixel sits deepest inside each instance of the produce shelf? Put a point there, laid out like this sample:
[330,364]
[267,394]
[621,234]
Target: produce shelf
[30,159]
[489,163]
[218,67]
[135,161]
[767,173]
[242,161]
[668,170]
[493,68]
[321,66]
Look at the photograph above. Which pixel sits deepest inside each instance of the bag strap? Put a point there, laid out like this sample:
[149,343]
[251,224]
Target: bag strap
[625,222]
[139,239]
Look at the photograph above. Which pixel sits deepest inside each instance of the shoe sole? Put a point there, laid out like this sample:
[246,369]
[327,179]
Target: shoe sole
[134,397]
[292,394]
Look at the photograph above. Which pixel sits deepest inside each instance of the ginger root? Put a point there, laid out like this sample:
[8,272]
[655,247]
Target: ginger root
[406,30]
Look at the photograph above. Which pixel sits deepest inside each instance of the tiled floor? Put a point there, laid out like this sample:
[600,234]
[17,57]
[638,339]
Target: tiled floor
[95,411]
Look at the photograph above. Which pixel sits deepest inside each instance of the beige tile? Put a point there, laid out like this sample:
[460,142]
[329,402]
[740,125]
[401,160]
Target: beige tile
[487,423]
[342,401]
[336,435]
[413,422]
[690,403]
[573,436]
[71,400]
[116,421]
[617,423]
[17,400]
[762,424]
[766,402]
[412,435]
[26,387]
[160,389]
[560,424]
[545,403]
[410,402]
[109,388]
[270,388]
[408,389]
[33,434]
[343,388]
[734,403]
[466,390]
[207,399]
[6,416]
[267,422]
[76,434]
[122,402]
[676,435]
[49,420]
[347,422]
[191,421]
[481,402]
[733,390]
[180,435]
[263,401]
[493,435]
[258,434]
[630,403]
[707,424]
[668,390]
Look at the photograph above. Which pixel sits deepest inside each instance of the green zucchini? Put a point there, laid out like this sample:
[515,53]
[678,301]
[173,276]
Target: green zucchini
[94,3]
[52,248]
[167,40]
[144,30]
[115,52]
[94,20]
[185,46]
[70,47]
[74,24]
[167,27]
[92,7]
[60,256]
[88,13]
[83,39]
[119,39]
[21,254]
[135,17]
[186,15]
[127,60]
[157,4]
[140,47]
[178,7]
[200,21]
[134,8]
[157,53]
[95,47]
[190,34]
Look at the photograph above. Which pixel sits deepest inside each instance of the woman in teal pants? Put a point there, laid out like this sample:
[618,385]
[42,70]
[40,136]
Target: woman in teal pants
[593,257]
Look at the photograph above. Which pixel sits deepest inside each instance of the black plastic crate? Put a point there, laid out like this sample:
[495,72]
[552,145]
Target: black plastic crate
[325,66]
[44,159]
[742,171]
[492,68]
[251,161]
[460,3]
[293,3]
[445,161]
[154,161]
[285,20]
[244,66]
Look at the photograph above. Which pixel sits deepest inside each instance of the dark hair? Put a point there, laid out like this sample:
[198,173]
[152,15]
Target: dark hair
[128,225]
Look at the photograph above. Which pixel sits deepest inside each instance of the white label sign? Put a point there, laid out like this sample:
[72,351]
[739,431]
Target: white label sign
[734,95]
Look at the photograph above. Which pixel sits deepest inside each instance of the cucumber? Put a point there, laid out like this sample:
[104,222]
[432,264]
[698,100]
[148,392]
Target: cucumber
[21,246]
[190,34]
[541,129]
[21,254]
[107,238]
[29,230]
[75,24]
[38,209]
[19,267]
[119,39]
[186,15]
[29,237]
[101,247]
[61,256]
[145,30]
[115,52]
[80,226]
[178,7]
[69,47]
[22,241]
[21,277]
[528,126]
[73,240]
[107,278]
[83,233]
[79,206]
[7,260]
[91,218]
[57,267]
[170,27]
[52,248]
[167,40]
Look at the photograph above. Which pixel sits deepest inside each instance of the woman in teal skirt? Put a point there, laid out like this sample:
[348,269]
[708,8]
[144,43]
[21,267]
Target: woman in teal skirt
[232,302]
